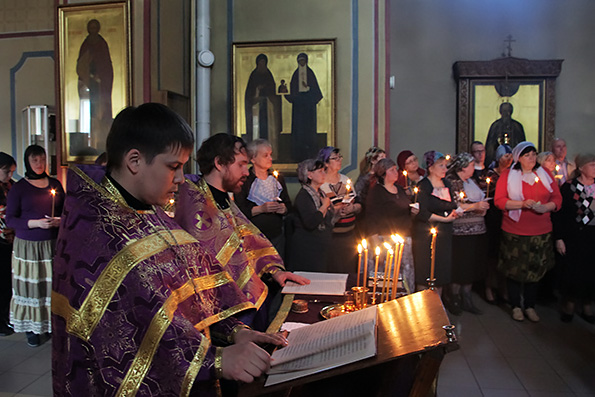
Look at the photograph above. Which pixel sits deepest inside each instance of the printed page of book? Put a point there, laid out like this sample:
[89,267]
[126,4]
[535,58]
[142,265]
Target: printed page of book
[325,345]
[320,284]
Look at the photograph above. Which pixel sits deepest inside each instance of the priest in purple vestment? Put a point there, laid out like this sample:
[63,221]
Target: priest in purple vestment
[139,306]
[204,209]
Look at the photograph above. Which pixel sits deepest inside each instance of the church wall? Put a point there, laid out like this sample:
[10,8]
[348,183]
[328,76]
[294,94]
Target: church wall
[427,37]
[271,20]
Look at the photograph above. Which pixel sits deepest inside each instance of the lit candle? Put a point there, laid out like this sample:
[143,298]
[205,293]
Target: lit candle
[387,272]
[359,262]
[415,190]
[406,179]
[536,179]
[447,157]
[171,201]
[488,181]
[276,174]
[462,196]
[557,175]
[433,253]
[53,193]
[365,276]
[377,252]
[386,269]
[557,169]
[399,246]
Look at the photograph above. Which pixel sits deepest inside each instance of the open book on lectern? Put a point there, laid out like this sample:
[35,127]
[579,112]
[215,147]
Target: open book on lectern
[325,345]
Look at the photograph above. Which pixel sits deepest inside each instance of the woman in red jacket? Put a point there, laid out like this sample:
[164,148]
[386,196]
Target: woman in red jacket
[526,194]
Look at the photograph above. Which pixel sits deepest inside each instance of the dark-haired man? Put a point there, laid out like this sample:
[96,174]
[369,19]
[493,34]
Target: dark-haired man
[205,210]
[136,300]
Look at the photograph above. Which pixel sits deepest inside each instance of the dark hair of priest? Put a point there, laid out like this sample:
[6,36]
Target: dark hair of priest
[152,128]
[223,146]
[526,150]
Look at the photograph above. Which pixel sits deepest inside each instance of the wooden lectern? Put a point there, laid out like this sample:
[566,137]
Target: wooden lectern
[411,343]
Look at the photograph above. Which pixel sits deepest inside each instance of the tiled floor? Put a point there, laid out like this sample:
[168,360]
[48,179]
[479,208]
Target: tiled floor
[498,357]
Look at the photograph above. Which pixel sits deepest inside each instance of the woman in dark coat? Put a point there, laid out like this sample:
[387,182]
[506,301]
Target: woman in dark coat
[574,233]
[437,206]
[312,220]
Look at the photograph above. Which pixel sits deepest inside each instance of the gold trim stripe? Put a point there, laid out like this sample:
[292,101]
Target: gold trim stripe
[223,315]
[228,249]
[244,277]
[111,278]
[194,367]
[281,315]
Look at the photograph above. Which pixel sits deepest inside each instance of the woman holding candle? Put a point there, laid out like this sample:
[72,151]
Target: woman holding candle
[527,193]
[366,171]
[7,166]
[312,221]
[410,173]
[341,259]
[28,210]
[437,204]
[574,233]
[264,198]
[388,211]
[469,234]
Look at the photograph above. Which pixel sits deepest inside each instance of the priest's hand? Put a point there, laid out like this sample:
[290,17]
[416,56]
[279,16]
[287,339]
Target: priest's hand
[243,362]
[281,277]
[247,335]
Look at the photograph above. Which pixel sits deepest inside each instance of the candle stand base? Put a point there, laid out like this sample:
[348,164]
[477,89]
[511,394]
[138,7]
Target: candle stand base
[431,283]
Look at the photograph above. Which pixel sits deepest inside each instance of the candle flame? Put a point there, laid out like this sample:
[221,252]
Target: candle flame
[386,245]
[536,179]
[172,201]
[365,244]
[53,192]
[347,187]
[400,239]
[488,180]
[447,157]
[405,173]
[433,231]
[557,168]
[276,174]
[359,248]
[462,194]
[415,189]
[390,251]
[348,181]
[377,251]
[393,237]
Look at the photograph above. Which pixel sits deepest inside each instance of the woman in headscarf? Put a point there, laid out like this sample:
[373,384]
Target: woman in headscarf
[527,193]
[437,204]
[388,211]
[7,167]
[574,231]
[312,220]
[469,234]
[338,187]
[33,211]
[362,184]
[410,173]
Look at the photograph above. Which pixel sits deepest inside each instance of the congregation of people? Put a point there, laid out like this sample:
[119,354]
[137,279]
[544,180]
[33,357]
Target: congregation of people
[137,299]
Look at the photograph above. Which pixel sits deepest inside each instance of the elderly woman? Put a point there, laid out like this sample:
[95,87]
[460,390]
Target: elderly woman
[388,211]
[362,185]
[337,187]
[34,213]
[313,220]
[494,280]
[410,172]
[527,193]
[547,161]
[469,243]
[574,231]
[264,198]
[7,166]
[437,204]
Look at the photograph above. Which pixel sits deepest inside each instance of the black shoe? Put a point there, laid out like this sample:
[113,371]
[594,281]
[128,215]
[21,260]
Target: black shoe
[588,318]
[6,330]
[566,317]
[33,339]
[453,305]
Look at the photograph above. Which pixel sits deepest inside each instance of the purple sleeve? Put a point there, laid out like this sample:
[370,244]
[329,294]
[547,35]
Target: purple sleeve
[14,218]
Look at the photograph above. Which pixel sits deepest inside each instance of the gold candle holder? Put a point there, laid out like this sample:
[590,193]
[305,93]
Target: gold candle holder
[360,295]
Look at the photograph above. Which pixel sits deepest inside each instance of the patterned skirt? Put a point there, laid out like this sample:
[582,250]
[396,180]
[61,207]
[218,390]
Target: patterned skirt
[30,308]
[526,258]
